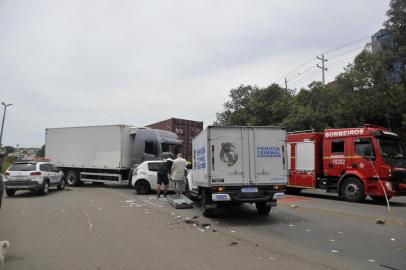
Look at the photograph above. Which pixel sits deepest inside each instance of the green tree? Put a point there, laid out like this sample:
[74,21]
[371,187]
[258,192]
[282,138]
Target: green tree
[41,152]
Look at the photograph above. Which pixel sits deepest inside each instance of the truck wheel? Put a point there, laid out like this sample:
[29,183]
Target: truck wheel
[61,185]
[142,187]
[380,199]
[203,202]
[352,190]
[45,188]
[10,192]
[72,179]
[262,208]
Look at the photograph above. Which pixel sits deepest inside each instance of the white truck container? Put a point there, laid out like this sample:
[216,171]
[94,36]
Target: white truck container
[238,165]
[105,153]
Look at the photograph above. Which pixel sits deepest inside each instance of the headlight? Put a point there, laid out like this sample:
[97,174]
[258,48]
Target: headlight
[389,186]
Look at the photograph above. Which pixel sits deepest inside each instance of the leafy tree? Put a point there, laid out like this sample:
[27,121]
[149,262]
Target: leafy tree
[9,149]
[41,152]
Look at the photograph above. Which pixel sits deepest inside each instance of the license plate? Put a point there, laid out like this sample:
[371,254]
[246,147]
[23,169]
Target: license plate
[19,177]
[249,189]
[279,195]
[220,197]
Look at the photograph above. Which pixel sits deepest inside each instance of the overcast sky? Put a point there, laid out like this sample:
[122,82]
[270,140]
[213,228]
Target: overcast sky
[96,62]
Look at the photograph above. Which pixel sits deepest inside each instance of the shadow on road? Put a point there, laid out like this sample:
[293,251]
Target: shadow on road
[333,197]
[34,194]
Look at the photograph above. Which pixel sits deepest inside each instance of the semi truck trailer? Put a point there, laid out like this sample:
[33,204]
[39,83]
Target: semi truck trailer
[235,165]
[106,153]
[352,162]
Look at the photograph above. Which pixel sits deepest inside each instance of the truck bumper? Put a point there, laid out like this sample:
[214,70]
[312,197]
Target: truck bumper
[264,194]
[22,185]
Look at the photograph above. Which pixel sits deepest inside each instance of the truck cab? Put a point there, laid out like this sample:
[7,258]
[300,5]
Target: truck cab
[354,162]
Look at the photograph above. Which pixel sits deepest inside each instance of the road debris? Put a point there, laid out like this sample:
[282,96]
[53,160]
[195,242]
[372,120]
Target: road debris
[335,251]
[332,240]
[233,243]
[380,221]
[294,206]
[371,260]
[291,225]
[308,230]
[393,239]
[232,231]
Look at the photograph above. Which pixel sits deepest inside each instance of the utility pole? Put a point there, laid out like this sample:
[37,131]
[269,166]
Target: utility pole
[286,84]
[323,69]
[4,116]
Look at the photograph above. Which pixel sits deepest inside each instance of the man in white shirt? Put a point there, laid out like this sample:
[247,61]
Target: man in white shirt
[178,173]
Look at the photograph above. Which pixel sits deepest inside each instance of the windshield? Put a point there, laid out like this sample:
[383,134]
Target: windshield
[171,148]
[22,167]
[390,148]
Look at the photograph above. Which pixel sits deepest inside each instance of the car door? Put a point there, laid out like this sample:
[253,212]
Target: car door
[45,171]
[55,175]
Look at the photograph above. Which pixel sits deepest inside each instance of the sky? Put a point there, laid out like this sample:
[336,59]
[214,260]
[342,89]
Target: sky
[100,62]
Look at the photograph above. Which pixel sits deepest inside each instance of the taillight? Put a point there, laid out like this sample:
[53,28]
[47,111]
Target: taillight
[6,173]
[35,173]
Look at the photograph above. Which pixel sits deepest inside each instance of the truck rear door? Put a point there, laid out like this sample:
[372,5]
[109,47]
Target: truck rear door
[229,152]
[268,154]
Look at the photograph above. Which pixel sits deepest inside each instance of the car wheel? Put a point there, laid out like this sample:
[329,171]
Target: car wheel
[352,190]
[262,208]
[45,188]
[10,192]
[61,185]
[203,202]
[380,199]
[142,187]
[72,179]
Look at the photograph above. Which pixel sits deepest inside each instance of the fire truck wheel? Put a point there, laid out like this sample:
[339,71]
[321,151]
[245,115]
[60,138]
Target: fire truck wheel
[352,190]
[380,199]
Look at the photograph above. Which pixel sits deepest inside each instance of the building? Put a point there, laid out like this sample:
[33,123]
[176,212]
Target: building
[185,129]
[382,41]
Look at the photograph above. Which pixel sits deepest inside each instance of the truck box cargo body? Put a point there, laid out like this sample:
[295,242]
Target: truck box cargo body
[106,153]
[353,162]
[99,147]
[239,164]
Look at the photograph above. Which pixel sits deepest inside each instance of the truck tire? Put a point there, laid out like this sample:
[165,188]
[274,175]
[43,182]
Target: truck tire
[45,188]
[262,208]
[61,185]
[380,199]
[203,202]
[142,187]
[352,190]
[10,192]
[72,179]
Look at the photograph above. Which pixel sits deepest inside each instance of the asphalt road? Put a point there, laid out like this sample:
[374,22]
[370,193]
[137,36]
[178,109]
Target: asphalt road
[110,227]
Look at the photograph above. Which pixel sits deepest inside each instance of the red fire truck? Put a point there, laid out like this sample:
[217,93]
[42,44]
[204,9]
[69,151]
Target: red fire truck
[353,162]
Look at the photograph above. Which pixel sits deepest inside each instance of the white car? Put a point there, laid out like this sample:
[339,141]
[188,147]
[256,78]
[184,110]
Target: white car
[32,175]
[145,176]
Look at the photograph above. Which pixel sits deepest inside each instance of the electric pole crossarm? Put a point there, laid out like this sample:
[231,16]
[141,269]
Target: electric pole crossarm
[322,67]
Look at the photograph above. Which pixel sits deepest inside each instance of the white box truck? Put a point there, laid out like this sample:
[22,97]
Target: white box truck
[238,165]
[106,153]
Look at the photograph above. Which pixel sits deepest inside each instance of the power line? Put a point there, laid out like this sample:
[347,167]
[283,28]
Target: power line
[295,69]
[340,54]
[348,44]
